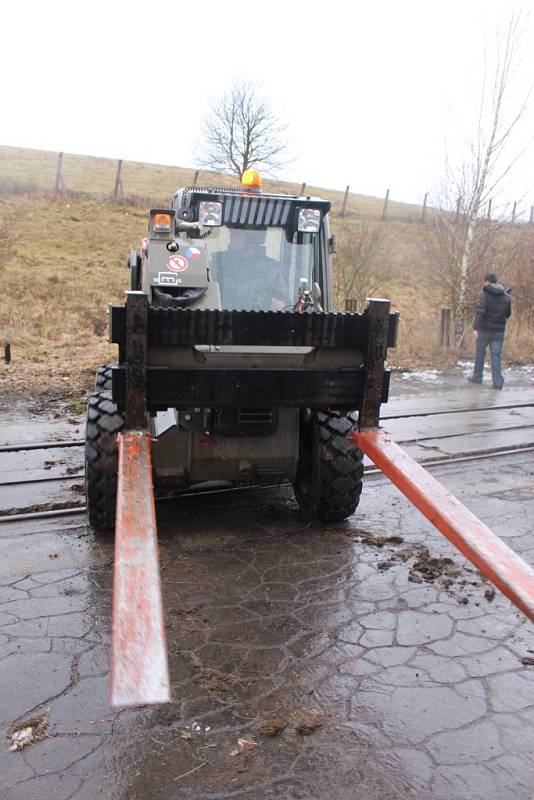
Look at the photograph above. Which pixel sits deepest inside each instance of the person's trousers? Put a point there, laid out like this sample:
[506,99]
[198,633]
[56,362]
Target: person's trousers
[493,339]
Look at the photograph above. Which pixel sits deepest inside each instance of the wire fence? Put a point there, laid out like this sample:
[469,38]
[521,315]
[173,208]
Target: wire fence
[117,180]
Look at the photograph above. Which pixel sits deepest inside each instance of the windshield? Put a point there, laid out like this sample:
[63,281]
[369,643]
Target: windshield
[261,269]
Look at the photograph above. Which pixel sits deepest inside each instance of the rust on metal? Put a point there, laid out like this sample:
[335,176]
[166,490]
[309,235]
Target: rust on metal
[377,318]
[498,562]
[136,359]
[139,668]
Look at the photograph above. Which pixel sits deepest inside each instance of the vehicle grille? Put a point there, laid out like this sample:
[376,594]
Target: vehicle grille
[246,421]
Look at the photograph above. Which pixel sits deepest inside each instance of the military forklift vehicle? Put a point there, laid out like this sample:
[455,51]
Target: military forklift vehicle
[234,370]
[231,355]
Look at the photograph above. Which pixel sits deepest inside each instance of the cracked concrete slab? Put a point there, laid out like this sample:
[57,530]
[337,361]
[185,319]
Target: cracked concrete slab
[417,677]
[419,690]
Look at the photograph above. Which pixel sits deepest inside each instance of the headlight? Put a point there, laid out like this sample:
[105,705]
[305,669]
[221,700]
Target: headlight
[210,214]
[309,220]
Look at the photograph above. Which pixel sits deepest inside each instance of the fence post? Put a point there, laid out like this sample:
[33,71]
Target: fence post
[118,180]
[532,215]
[445,328]
[386,200]
[513,211]
[488,214]
[423,212]
[302,190]
[344,203]
[458,203]
[59,177]
[195,177]
[7,352]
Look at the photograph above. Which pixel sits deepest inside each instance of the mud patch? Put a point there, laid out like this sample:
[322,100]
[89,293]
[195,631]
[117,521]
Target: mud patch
[273,727]
[307,722]
[365,537]
[428,568]
[214,680]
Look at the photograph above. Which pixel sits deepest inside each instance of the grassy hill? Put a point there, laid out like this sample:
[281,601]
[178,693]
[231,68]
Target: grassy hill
[63,259]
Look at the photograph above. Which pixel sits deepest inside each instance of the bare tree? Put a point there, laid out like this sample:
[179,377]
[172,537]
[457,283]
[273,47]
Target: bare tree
[241,132]
[441,250]
[363,260]
[520,276]
[468,237]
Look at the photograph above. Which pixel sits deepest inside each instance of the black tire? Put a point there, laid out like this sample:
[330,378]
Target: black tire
[103,378]
[103,424]
[330,471]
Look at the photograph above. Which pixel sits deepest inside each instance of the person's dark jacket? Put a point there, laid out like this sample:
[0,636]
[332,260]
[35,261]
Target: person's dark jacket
[494,306]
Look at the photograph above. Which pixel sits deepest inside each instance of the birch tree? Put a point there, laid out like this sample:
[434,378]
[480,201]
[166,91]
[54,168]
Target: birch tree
[490,162]
[241,131]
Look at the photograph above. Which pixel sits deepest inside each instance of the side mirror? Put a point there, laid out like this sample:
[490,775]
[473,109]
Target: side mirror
[317,296]
[134,259]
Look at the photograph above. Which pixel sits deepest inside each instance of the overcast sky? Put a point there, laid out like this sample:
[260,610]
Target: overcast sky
[372,91]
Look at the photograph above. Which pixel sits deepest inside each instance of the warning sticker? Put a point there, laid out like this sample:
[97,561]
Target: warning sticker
[168,279]
[177,263]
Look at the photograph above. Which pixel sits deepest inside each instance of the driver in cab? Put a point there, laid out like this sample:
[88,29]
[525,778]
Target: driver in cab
[248,278]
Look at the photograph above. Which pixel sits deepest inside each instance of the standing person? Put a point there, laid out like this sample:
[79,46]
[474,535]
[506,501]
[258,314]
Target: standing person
[494,306]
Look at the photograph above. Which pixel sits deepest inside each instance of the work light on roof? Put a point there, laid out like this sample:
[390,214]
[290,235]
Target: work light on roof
[309,220]
[251,179]
[210,213]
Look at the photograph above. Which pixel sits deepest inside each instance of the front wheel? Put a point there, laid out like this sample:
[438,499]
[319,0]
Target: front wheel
[103,424]
[330,471]
[134,262]
[103,378]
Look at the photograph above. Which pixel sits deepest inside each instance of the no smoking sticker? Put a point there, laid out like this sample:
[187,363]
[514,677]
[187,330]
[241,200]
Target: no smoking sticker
[177,263]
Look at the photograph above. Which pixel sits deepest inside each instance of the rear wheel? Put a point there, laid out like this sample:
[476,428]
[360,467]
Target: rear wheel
[103,424]
[329,476]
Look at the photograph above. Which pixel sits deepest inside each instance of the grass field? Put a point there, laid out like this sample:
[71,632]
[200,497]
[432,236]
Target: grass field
[63,259]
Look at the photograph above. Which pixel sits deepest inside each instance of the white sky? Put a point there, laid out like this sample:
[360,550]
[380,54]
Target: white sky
[371,91]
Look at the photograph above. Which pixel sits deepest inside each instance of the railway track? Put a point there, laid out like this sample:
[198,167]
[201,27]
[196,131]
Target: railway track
[22,446]
[429,463]
[70,478]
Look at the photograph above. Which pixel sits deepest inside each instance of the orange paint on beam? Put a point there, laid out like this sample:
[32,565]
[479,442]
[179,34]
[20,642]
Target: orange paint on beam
[139,668]
[498,562]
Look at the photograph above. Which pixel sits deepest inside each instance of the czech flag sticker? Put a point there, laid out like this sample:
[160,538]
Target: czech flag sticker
[192,252]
